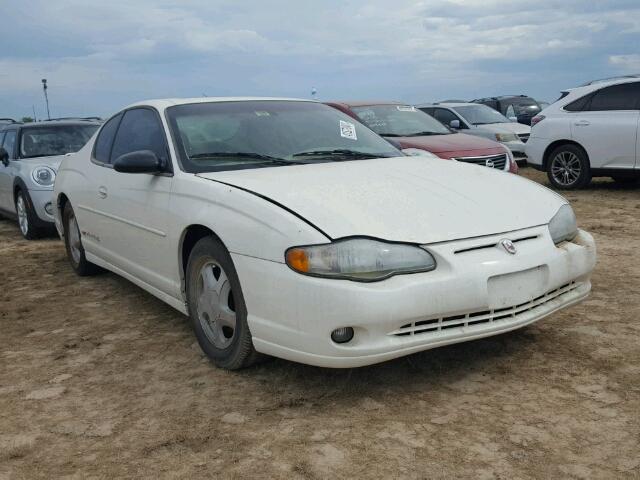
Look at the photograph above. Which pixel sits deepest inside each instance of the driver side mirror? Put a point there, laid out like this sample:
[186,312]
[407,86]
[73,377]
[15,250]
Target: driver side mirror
[141,161]
[4,156]
[455,124]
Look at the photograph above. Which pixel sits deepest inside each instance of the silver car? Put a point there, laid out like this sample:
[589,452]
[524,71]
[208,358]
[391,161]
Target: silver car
[30,154]
[482,121]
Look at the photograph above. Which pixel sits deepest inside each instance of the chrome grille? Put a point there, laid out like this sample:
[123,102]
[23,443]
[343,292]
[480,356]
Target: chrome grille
[483,316]
[524,137]
[495,161]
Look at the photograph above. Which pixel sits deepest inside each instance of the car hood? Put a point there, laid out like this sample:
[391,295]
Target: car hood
[408,199]
[515,127]
[455,142]
[52,162]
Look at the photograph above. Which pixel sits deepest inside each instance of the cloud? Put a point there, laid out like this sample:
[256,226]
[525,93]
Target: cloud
[627,63]
[110,53]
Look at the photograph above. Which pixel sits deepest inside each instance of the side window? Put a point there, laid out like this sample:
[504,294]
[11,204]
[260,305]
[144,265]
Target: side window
[616,97]
[578,105]
[510,112]
[9,142]
[445,116]
[140,129]
[428,111]
[102,150]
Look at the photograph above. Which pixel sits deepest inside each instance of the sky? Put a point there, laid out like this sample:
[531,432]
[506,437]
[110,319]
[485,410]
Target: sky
[100,57]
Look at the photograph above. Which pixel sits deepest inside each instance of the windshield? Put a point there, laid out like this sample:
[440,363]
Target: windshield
[399,121]
[54,140]
[481,114]
[525,106]
[219,136]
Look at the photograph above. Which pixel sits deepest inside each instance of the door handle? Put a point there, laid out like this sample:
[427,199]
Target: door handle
[582,123]
[102,192]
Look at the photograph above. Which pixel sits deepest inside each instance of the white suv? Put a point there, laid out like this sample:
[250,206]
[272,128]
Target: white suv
[592,131]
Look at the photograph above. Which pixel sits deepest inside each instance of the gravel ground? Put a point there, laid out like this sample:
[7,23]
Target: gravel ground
[99,379]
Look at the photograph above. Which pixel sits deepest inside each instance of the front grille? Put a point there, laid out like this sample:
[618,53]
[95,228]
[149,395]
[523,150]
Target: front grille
[524,137]
[495,161]
[458,322]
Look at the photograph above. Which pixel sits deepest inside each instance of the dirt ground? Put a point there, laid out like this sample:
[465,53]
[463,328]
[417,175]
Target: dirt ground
[99,379]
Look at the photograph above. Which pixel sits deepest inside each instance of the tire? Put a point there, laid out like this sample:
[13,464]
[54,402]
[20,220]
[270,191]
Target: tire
[73,245]
[568,167]
[216,306]
[27,217]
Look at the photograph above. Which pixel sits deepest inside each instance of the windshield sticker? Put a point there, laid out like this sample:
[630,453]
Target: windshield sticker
[262,114]
[348,130]
[406,108]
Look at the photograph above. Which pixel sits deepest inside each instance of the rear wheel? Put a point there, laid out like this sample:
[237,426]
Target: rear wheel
[27,217]
[568,167]
[216,306]
[73,244]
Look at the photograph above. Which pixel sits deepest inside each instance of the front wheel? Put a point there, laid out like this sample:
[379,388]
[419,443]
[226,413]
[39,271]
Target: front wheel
[568,167]
[73,244]
[216,306]
[26,217]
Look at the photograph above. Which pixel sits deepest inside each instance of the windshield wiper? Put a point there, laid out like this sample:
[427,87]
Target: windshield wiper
[424,134]
[390,135]
[338,152]
[245,155]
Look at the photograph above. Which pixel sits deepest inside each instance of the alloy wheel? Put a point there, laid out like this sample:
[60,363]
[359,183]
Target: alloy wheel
[74,240]
[215,307]
[566,168]
[23,217]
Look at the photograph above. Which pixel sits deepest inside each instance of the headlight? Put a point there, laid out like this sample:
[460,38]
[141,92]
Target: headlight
[359,259]
[563,226]
[507,137]
[44,176]
[418,152]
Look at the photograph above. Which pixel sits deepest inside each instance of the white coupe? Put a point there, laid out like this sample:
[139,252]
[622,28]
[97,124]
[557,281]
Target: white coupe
[285,228]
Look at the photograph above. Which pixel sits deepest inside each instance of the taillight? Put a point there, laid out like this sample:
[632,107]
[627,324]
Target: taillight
[537,119]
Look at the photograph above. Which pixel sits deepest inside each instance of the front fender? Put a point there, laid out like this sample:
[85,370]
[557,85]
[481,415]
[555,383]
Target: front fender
[247,224]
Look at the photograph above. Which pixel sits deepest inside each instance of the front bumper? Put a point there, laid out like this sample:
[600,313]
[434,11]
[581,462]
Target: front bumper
[42,201]
[477,290]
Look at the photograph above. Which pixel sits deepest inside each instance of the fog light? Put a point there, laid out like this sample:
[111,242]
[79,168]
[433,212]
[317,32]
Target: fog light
[342,335]
[48,208]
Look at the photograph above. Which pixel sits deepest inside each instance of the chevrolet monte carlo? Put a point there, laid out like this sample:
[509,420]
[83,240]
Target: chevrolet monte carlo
[284,227]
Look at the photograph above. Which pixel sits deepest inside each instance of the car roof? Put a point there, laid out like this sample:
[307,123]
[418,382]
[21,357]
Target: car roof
[364,103]
[448,104]
[162,103]
[615,79]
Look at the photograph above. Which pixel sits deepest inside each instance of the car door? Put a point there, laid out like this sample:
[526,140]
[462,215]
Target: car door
[606,125]
[446,116]
[6,172]
[134,208]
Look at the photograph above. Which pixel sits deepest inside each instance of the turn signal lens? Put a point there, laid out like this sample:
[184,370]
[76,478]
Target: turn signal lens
[298,259]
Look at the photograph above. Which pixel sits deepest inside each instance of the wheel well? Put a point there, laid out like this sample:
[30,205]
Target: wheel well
[16,188]
[556,144]
[62,201]
[191,236]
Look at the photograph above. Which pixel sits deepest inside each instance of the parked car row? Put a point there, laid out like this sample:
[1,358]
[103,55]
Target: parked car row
[292,228]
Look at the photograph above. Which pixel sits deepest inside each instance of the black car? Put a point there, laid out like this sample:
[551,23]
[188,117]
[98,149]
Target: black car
[515,107]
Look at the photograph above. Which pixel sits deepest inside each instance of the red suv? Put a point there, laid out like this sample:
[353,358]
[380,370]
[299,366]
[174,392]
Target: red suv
[414,129]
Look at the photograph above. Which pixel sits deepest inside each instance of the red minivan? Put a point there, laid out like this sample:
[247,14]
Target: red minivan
[414,129]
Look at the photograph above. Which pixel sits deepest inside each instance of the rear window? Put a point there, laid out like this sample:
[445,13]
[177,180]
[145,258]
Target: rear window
[54,140]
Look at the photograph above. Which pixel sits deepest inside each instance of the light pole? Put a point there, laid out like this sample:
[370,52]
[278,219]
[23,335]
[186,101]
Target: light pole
[46,97]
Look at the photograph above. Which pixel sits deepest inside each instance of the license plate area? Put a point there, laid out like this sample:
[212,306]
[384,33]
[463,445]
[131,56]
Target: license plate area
[515,288]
